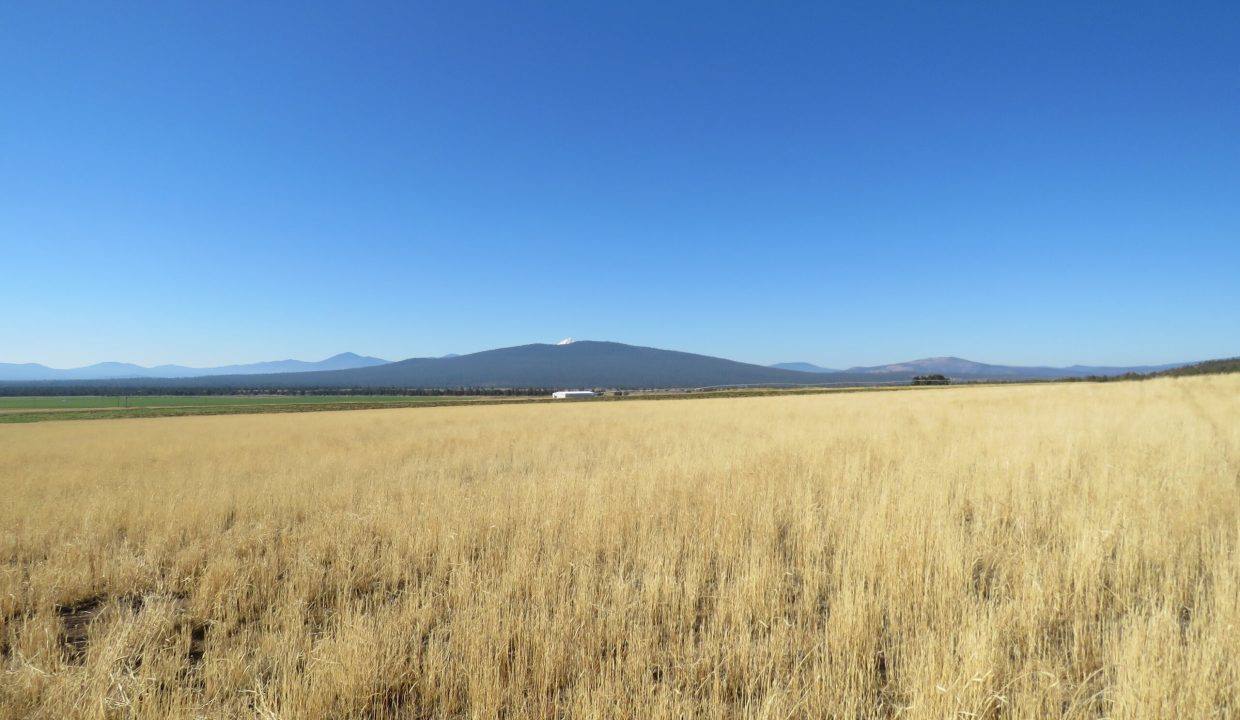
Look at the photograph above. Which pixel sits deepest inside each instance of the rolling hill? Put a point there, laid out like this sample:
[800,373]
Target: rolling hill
[1208,367]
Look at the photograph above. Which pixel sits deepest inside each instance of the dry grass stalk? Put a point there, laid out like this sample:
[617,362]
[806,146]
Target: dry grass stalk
[1014,552]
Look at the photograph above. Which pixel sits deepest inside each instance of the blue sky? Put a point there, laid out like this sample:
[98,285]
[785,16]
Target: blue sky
[203,183]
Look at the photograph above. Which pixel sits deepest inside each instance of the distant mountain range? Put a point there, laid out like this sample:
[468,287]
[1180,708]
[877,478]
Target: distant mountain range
[116,370]
[961,369]
[577,364]
[569,364]
[804,367]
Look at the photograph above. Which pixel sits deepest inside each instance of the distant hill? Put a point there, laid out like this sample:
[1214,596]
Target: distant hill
[579,364]
[343,361]
[585,364]
[113,370]
[804,367]
[1209,367]
[961,369]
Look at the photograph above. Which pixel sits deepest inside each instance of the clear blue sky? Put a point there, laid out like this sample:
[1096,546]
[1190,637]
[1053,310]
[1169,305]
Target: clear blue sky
[208,182]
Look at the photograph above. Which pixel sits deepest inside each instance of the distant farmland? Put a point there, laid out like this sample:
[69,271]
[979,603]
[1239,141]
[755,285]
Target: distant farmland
[23,409]
[71,402]
[91,407]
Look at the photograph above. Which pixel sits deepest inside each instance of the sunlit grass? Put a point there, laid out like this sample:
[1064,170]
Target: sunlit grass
[1016,552]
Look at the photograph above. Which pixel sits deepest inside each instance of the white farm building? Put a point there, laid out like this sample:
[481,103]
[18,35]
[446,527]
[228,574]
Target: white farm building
[569,394]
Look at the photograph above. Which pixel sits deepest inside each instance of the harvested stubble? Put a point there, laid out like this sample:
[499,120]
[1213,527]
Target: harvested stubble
[1016,552]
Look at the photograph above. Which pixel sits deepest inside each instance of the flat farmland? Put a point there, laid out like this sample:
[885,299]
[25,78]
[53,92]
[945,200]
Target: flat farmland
[1036,551]
[76,402]
[47,407]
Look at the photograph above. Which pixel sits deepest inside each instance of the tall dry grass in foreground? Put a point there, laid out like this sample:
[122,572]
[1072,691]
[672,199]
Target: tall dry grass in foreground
[1021,552]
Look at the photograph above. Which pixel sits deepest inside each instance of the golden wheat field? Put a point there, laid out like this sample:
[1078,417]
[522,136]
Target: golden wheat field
[988,552]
